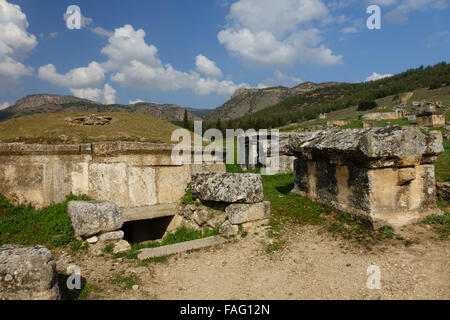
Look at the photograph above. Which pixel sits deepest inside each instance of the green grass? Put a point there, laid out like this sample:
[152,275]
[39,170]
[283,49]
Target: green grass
[442,165]
[49,226]
[47,128]
[440,223]
[127,280]
[188,197]
[277,190]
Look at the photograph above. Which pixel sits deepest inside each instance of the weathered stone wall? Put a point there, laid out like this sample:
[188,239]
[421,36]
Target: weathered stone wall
[434,120]
[130,174]
[397,114]
[378,175]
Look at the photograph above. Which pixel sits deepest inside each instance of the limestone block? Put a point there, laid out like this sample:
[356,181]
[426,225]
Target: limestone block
[171,183]
[406,175]
[109,181]
[241,213]
[111,236]
[228,187]
[253,225]
[141,186]
[27,273]
[121,246]
[92,217]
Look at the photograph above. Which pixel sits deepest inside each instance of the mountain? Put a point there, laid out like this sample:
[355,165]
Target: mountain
[308,105]
[202,113]
[248,101]
[48,103]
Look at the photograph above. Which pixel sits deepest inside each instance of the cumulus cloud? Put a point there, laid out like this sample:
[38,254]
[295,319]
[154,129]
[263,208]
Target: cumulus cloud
[376,76]
[207,67]
[279,79]
[276,36]
[4,105]
[15,44]
[135,64]
[84,77]
[107,95]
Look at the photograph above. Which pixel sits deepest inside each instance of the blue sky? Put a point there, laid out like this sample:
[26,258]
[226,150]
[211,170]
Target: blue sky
[197,53]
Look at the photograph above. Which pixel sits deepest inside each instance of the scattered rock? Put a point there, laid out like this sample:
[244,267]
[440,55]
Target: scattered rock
[92,240]
[228,230]
[135,287]
[92,217]
[217,220]
[228,187]
[27,273]
[121,246]
[92,120]
[253,225]
[200,217]
[111,236]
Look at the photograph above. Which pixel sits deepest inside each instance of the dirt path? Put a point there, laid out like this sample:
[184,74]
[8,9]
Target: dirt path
[311,265]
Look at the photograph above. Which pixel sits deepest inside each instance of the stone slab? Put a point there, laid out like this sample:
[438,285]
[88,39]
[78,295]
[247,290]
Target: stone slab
[149,212]
[181,247]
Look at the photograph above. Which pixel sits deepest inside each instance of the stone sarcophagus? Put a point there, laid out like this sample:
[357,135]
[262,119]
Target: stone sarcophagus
[380,176]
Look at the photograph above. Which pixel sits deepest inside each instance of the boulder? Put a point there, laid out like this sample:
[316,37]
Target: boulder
[93,217]
[228,230]
[27,273]
[121,246]
[242,213]
[228,187]
[111,236]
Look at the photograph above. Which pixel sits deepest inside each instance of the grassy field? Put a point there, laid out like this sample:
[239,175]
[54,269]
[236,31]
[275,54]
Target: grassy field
[52,128]
[442,165]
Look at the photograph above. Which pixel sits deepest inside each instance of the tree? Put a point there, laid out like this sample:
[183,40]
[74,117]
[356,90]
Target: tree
[185,120]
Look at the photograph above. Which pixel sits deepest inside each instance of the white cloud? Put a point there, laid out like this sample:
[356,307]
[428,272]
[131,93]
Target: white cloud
[280,79]
[349,30]
[400,9]
[4,105]
[107,95]
[102,32]
[135,64]
[131,102]
[207,67]
[376,76]
[15,44]
[84,77]
[262,33]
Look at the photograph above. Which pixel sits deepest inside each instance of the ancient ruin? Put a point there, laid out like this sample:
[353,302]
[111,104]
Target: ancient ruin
[428,117]
[380,176]
[376,116]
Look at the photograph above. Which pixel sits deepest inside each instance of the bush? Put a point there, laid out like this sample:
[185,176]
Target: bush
[367,105]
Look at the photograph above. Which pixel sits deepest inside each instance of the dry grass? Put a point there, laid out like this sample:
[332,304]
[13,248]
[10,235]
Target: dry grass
[52,128]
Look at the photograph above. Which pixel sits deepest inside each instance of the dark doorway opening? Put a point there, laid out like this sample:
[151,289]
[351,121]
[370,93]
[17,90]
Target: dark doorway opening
[146,230]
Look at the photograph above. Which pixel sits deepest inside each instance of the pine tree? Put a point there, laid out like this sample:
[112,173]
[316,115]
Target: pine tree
[185,120]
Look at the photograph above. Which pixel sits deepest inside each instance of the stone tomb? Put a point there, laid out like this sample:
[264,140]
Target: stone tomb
[380,176]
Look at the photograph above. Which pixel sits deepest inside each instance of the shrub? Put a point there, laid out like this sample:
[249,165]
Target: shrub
[367,105]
